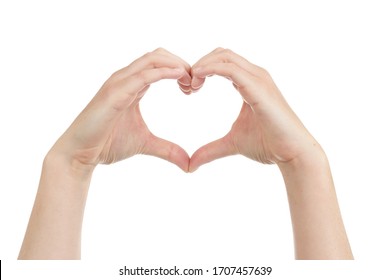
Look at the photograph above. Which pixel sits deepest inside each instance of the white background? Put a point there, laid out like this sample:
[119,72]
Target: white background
[331,61]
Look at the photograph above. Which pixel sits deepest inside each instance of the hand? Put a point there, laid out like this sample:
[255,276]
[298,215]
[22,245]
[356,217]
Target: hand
[266,130]
[111,127]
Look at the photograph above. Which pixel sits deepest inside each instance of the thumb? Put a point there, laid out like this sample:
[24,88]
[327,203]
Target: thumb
[214,150]
[167,150]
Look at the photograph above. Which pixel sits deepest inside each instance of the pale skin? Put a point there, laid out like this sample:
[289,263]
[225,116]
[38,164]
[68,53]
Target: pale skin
[111,128]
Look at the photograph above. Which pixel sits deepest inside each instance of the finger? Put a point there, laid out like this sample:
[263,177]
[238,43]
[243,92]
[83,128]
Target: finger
[157,59]
[116,96]
[219,55]
[167,150]
[164,51]
[214,150]
[229,70]
[137,83]
[205,58]
[185,88]
[186,79]
[196,82]
[243,81]
[228,56]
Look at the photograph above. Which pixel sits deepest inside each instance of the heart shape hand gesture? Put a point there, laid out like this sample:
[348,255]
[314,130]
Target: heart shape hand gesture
[111,127]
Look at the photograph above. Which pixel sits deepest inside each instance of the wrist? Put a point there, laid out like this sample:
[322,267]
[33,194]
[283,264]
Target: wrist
[312,160]
[318,228]
[57,162]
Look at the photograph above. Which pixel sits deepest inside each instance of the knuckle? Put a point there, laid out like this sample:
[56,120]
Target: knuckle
[226,55]
[144,77]
[264,73]
[115,76]
[219,49]
[111,84]
[148,55]
[160,50]
[227,51]
[141,76]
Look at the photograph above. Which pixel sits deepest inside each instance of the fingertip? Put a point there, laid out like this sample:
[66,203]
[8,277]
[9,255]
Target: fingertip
[182,160]
[186,92]
[214,150]
[196,160]
[168,151]
[184,82]
[186,89]
[196,83]
[192,169]
[184,168]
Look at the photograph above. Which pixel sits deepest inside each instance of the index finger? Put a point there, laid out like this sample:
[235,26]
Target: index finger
[158,58]
[243,81]
[221,55]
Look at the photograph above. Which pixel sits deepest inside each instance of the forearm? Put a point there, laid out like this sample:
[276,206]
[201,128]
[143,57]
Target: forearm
[54,229]
[317,224]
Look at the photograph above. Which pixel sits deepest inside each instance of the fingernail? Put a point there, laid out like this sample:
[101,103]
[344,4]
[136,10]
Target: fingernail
[194,82]
[186,91]
[184,84]
[196,88]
